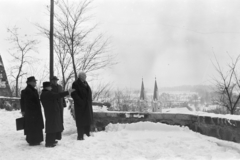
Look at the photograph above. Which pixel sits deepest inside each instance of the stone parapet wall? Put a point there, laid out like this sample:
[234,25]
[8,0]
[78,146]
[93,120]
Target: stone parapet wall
[216,127]
[221,128]
[9,103]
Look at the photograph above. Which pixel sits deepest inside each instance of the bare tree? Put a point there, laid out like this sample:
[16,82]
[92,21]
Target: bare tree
[101,91]
[228,86]
[21,53]
[75,43]
[64,61]
[118,100]
[69,19]
[124,100]
[42,74]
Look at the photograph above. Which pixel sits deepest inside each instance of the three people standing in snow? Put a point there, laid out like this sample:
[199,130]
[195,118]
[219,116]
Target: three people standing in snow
[52,98]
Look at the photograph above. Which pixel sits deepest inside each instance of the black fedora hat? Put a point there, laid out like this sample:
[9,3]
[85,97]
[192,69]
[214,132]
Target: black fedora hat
[31,79]
[54,78]
[46,84]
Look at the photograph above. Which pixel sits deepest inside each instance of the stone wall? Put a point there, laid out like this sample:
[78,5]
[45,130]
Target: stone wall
[9,103]
[216,127]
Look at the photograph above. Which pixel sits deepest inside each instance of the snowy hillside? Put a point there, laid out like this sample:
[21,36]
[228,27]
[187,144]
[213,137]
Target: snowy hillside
[138,141]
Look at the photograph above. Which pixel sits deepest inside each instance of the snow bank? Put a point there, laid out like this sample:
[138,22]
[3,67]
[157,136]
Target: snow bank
[100,109]
[200,113]
[138,141]
[144,126]
[178,110]
[9,97]
[226,116]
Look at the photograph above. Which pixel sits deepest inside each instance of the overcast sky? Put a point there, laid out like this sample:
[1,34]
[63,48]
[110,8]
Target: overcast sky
[172,40]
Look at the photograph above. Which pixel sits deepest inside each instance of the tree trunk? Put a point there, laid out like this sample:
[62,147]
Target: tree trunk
[63,80]
[74,67]
[16,89]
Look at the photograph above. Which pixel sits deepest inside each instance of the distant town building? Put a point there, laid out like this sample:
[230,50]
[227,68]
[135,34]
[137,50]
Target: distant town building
[142,92]
[142,103]
[156,107]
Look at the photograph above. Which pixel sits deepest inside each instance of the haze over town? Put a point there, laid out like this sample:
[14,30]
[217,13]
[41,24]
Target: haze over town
[174,41]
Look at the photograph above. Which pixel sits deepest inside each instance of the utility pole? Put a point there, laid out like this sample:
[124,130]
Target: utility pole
[51,39]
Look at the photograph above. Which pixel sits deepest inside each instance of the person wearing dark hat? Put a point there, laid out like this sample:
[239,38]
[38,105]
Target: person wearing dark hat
[62,104]
[52,111]
[32,113]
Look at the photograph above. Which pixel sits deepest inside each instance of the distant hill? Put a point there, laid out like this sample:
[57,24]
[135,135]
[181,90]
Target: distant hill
[188,88]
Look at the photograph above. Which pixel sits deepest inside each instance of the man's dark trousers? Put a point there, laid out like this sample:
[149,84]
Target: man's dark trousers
[51,137]
[83,130]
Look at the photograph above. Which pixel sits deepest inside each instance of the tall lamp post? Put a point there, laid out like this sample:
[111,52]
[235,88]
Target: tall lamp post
[51,39]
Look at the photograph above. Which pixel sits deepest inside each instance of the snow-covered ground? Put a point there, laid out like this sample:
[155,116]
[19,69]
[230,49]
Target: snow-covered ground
[138,141]
[184,110]
[9,97]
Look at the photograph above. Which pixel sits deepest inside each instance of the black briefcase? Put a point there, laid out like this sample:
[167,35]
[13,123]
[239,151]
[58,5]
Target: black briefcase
[20,123]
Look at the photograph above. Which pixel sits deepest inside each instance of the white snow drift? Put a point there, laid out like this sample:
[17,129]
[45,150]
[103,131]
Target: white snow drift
[138,141]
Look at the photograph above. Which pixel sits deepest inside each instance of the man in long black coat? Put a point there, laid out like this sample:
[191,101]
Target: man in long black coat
[33,114]
[58,89]
[82,105]
[22,105]
[52,113]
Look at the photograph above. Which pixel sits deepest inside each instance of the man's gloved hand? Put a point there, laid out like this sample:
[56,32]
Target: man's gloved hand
[70,91]
[23,114]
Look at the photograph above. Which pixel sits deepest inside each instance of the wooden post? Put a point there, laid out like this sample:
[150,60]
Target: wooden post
[51,40]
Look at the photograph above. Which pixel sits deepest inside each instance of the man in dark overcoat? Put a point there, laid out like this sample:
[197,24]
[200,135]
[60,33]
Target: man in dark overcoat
[52,111]
[33,113]
[61,101]
[82,105]
[22,105]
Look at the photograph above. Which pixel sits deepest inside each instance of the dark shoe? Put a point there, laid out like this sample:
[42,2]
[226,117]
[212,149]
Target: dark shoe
[34,144]
[50,145]
[55,142]
[81,139]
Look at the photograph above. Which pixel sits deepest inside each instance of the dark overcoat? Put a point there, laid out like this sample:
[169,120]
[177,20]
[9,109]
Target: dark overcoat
[22,101]
[33,113]
[52,110]
[82,98]
[22,105]
[58,89]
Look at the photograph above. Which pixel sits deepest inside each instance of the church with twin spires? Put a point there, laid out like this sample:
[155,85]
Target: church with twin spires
[155,103]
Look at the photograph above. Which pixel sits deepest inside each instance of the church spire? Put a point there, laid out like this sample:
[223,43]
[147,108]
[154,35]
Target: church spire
[142,93]
[155,92]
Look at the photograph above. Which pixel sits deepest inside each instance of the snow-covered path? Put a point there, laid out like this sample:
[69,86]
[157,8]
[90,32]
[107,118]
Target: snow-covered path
[139,141]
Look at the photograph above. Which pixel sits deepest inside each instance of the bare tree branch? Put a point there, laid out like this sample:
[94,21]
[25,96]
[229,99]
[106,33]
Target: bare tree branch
[227,85]
[76,48]
[20,53]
